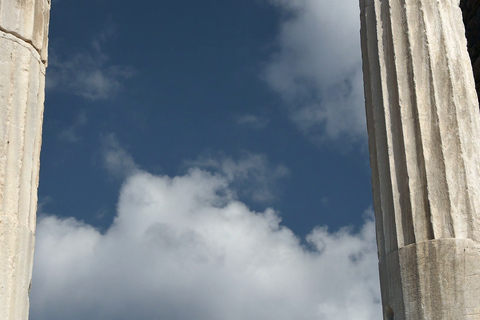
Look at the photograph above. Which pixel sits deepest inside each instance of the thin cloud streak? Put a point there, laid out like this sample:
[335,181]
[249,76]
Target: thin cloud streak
[252,121]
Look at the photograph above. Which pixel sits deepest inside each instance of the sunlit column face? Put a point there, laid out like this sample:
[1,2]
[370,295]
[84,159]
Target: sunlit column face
[23,58]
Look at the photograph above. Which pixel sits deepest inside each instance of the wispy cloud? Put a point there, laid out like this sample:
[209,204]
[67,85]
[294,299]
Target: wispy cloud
[70,133]
[87,73]
[251,120]
[316,68]
[118,163]
[182,248]
[251,176]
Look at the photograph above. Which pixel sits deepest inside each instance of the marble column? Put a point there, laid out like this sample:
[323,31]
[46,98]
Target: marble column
[23,59]
[424,138]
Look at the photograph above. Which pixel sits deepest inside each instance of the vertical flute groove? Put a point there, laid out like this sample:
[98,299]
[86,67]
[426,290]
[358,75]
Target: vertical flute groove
[400,106]
[421,213]
[7,90]
[435,160]
[393,222]
[372,137]
[459,198]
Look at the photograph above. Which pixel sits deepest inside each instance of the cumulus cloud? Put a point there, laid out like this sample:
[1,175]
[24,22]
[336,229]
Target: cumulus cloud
[316,68]
[183,248]
[86,73]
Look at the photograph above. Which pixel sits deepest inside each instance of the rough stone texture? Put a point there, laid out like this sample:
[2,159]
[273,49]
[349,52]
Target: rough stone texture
[424,139]
[23,55]
[27,20]
[437,279]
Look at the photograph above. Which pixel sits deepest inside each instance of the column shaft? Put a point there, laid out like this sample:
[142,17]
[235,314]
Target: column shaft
[23,56]
[424,139]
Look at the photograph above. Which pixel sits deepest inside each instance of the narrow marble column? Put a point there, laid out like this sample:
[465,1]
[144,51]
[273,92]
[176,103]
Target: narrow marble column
[23,58]
[424,139]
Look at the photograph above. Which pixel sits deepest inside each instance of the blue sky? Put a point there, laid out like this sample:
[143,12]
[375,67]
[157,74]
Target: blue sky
[205,160]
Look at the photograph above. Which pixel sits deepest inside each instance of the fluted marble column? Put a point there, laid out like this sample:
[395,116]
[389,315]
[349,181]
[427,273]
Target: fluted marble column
[424,140]
[23,56]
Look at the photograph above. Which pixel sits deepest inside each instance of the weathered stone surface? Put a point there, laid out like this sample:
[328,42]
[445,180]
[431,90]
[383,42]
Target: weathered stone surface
[27,20]
[23,55]
[16,242]
[424,140]
[436,279]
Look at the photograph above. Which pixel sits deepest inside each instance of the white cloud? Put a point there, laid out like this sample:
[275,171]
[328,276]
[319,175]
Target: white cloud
[182,248]
[317,68]
[87,73]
